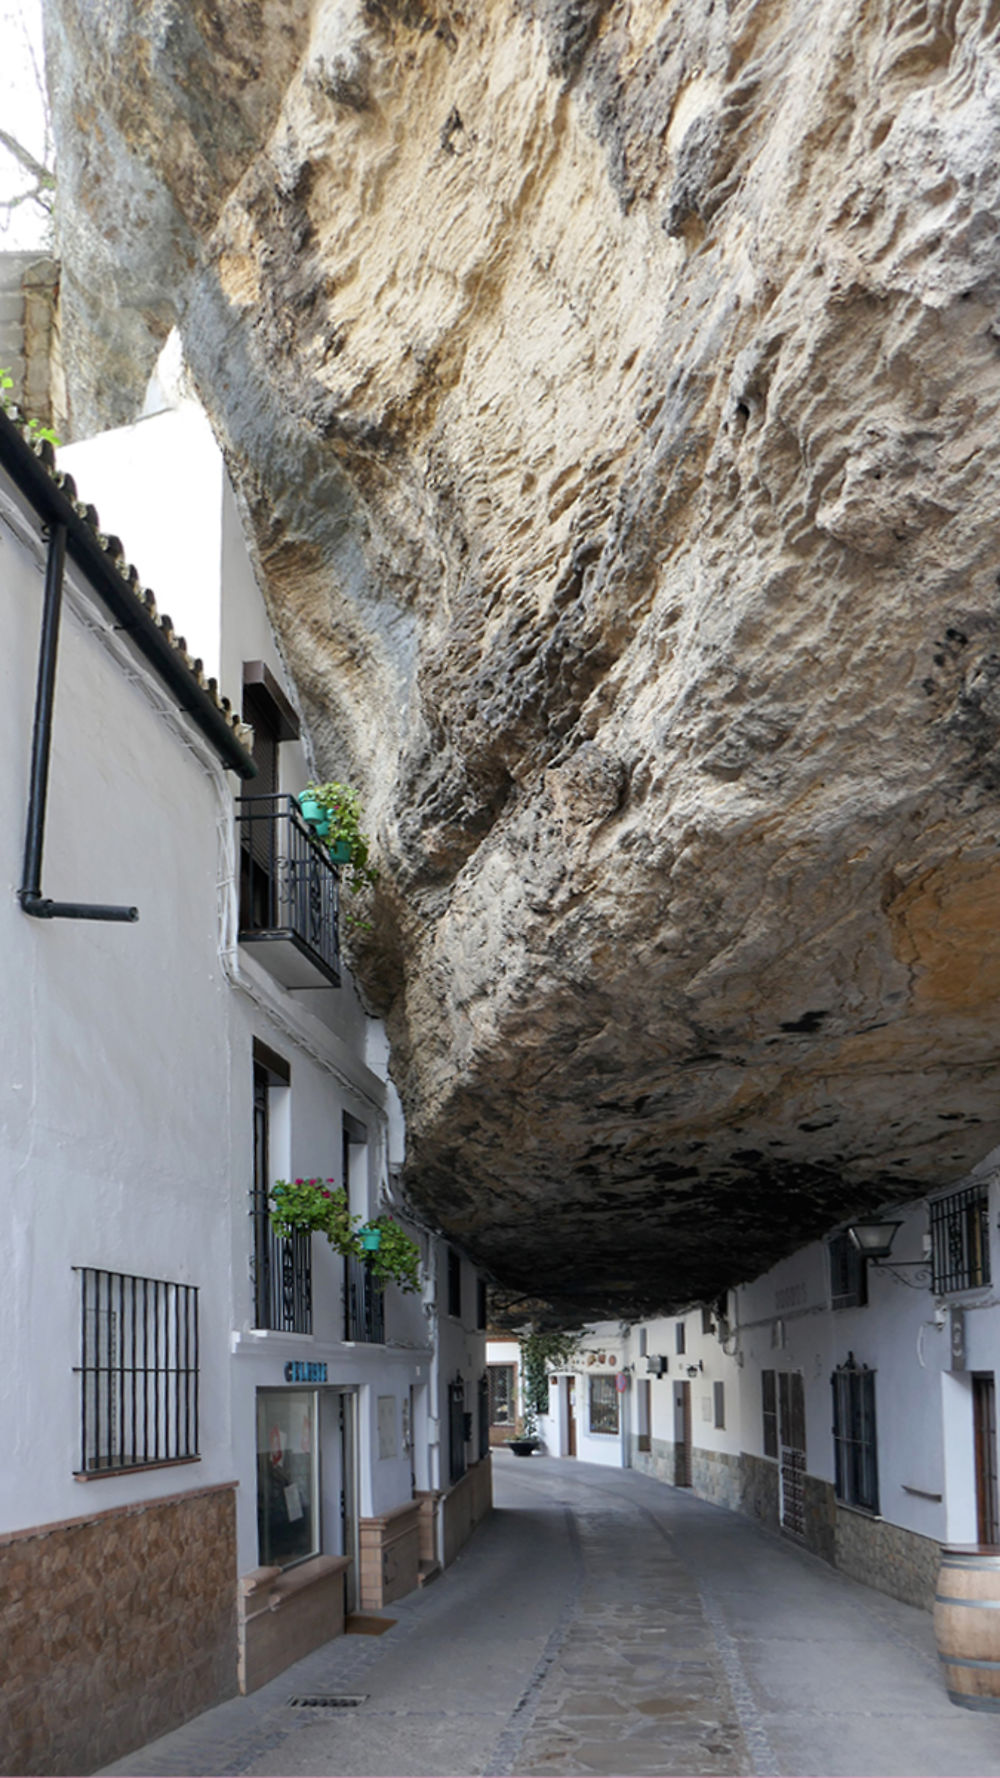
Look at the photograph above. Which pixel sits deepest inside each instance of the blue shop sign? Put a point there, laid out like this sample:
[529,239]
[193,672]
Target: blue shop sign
[299,1370]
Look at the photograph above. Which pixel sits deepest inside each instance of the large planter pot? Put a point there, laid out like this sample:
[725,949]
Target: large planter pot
[522,1447]
[967,1624]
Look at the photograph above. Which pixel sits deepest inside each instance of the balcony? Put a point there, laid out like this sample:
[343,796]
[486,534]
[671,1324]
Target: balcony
[289,893]
[364,1304]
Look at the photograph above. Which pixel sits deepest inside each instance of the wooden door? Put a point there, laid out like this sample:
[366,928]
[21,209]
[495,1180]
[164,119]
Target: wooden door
[571,1416]
[984,1426]
[792,1437]
[682,1435]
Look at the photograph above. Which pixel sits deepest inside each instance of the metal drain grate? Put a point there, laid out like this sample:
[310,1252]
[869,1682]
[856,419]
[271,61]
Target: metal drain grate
[328,1702]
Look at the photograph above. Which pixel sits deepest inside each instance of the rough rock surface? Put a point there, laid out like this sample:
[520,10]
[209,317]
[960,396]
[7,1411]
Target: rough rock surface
[613,391]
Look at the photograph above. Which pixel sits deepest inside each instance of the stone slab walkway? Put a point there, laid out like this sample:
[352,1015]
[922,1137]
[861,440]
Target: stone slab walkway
[601,1623]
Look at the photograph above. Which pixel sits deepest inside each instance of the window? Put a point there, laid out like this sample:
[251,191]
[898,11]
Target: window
[603,1404]
[287,1476]
[502,1397]
[707,1322]
[481,1304]
[679,1335]
[769,1404]
[454,1283]
[719,1400]
[960,1241]
[848,1274]
[138,1372]
[854,1443]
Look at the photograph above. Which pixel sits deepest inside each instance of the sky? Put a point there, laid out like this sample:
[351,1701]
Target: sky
[22,115]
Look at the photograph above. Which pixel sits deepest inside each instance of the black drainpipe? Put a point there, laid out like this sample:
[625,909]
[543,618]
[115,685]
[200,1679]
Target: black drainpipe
[30,895]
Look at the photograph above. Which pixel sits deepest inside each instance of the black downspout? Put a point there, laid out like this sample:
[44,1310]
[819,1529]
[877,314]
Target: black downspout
[30,894]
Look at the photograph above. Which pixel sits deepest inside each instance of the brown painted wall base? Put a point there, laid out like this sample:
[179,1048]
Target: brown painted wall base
[390,1556]
[285,1614]
[115,1628]
[463,1506]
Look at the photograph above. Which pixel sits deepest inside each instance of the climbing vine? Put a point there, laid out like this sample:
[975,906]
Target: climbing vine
[540,1354]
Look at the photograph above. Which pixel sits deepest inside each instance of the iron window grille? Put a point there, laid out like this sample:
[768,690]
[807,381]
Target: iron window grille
[138,1372]
[604,1401]
[960,1241]
[289,886]
[848,1273]
[364,1304]
[854,1436]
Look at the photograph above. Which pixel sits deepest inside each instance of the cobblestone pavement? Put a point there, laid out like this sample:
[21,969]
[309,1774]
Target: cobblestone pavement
[602,1623]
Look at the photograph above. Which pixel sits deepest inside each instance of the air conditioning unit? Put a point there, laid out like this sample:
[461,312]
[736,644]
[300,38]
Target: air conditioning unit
[657,1366]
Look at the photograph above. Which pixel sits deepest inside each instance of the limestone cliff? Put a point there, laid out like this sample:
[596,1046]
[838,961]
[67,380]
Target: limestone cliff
[612,388]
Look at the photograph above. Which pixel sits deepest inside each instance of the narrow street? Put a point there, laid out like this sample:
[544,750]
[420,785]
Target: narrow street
[602,1623]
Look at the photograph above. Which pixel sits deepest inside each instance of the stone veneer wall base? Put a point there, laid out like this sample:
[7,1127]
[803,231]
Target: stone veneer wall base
[115,1628]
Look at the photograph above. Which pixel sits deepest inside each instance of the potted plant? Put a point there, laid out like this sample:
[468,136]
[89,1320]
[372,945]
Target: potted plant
[526,1441]
[320,1207]
[334,812]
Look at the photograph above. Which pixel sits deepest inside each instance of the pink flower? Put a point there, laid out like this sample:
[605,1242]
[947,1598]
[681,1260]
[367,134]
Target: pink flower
[300,1182]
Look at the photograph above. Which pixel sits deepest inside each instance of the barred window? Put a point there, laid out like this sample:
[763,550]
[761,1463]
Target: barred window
[603,1405]
[854,1435]
[719,1395]
[769,1402]
[848,1273]
[960,1240]
[138,1372]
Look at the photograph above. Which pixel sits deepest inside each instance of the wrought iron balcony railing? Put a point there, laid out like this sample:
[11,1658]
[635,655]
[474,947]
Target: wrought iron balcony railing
[289,893]
[281,1274]
[364,1304]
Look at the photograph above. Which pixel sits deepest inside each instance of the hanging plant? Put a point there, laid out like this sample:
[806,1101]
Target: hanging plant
[338,824]
[320,1207]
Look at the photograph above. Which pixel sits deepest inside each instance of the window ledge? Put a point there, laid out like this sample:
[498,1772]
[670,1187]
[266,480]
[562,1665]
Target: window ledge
[99,1475]
[862,1512]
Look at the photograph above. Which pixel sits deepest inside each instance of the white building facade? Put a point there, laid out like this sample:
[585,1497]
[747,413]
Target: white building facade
[221,1441]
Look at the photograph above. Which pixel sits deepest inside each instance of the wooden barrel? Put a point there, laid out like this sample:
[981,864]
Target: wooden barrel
[967,1624]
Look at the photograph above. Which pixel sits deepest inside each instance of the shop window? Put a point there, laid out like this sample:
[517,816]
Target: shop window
[287,1476]
[960,1241]
[854,1436]
[138,1372]
[604,1404]
[848,1273]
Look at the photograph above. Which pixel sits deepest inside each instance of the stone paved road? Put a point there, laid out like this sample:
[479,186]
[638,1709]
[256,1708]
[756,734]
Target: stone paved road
[602,1623]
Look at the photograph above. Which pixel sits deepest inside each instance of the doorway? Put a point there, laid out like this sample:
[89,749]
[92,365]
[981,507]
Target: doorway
[792,1466]
[642,1408]
[682,1435]
[984,1432]
[571,1416]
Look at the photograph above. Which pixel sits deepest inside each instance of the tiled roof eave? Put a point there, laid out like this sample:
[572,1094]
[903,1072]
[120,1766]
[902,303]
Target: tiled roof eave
[31,464]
